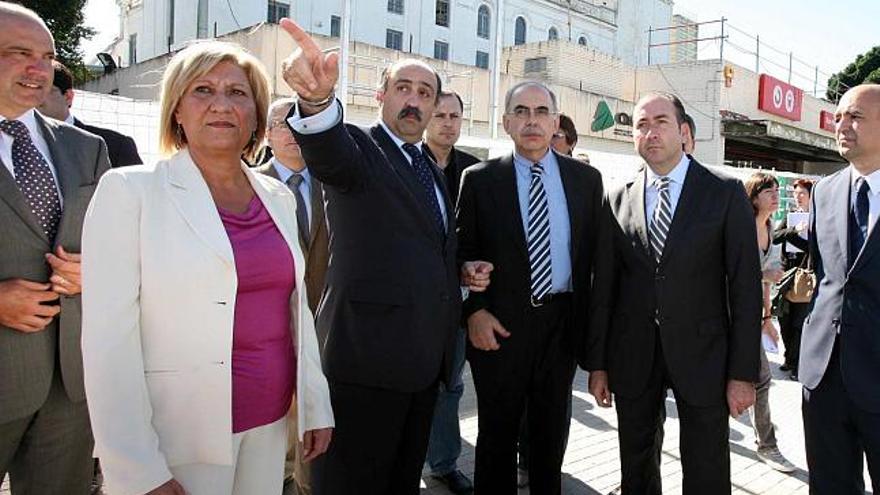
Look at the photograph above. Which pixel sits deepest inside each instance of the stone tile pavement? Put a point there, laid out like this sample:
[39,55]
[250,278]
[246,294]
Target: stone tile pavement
[592,465]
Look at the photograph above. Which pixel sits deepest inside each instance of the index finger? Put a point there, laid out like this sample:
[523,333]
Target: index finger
[302,38]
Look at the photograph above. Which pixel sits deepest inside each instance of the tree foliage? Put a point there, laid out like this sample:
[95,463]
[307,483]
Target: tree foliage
[66,21]
[866,68]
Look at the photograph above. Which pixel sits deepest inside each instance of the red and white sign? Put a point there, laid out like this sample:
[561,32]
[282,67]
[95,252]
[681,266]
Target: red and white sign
[826,120]
[779,98]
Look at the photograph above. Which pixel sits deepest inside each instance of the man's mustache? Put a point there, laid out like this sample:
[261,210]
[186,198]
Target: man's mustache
[407,111]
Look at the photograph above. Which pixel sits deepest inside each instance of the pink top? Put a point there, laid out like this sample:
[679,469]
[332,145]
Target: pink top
[263,356]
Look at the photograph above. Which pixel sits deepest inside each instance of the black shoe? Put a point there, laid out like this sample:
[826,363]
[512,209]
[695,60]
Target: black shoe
[457,482]
[785,367]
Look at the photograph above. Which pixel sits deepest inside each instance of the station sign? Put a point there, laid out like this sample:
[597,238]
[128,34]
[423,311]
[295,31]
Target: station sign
[780,98]
[826,120]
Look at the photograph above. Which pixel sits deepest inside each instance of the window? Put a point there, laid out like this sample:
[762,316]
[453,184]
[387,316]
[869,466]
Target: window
[277,10]
[552,34]
[441,13]
[482,60]
[483,18]
[582,41]
[393,39]
[335,26]
[537,64]
[441,50]
[519,35]
[395,6]
[132,49]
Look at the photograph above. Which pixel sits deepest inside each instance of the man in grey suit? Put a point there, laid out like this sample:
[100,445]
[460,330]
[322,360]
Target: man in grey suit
[288,166]
[840,343]
[49,171]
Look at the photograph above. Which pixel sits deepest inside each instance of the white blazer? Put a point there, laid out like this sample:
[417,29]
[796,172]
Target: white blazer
[159,289]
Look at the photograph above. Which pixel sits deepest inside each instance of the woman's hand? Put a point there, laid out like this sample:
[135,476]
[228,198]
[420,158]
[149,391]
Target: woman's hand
[769,329]
[170,487]
[773,275]
[315,443]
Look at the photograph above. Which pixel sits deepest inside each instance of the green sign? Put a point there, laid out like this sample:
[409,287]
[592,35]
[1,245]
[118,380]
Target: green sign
[603,118]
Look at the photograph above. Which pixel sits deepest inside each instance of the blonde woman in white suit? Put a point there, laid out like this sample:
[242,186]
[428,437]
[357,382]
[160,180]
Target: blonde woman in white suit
[196,331]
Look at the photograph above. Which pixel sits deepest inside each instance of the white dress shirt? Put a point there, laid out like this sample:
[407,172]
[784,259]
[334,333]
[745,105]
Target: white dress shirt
[331,115]
[30,121]
[873,194]
[305,187]
[676,182]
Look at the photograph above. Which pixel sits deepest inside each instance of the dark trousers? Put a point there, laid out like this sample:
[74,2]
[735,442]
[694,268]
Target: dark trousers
[50,451]
[837,435]
[791,321]
[533,368]
[379,441]
[705,452]
[522,441]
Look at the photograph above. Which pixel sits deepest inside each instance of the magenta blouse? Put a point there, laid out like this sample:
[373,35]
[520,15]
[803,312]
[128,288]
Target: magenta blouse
[263,356]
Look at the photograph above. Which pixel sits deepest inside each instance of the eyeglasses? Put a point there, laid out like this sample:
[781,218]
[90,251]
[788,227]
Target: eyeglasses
[560,135]
[526,113]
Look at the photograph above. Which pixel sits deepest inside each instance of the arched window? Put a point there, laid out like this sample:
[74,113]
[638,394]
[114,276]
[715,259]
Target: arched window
[519,35]
[582,41]
[483,19]
[552,34]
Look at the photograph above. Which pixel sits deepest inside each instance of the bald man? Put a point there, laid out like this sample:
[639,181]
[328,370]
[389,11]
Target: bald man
[840,344]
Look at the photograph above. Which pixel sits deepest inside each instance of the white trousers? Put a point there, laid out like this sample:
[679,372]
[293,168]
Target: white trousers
[257,469]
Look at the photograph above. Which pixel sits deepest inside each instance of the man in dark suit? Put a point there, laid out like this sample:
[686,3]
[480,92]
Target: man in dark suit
[121,148]
[538,217]
[288,166]
[444,446]
[686,308]
[392,301]
[48,172]
[840,346]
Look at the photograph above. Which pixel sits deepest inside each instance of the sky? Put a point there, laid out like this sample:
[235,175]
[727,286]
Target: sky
[816,35]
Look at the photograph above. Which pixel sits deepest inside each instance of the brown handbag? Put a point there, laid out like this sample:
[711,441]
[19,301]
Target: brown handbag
[803,283]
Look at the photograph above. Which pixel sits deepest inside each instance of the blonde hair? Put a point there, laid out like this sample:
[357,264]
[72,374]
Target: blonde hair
[195,61]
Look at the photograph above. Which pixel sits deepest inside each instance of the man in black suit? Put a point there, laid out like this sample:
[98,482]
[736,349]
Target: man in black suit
[392,301]
[537,216]
[444,446]
[840,346]
[121,148]
[686,305]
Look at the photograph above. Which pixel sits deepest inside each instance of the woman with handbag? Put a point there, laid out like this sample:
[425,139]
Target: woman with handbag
[763,193]
[794,307]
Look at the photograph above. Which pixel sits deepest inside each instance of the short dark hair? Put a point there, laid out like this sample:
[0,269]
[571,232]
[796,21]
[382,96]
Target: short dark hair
[450,94]
[680,113]
[566,125]
[805,183]
[63,77]
[691,125]
[386,74]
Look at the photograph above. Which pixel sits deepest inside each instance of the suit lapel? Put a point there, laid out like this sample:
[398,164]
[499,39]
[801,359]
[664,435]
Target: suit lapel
[637,226]
[11,195]
[684,210]
[505,193]
[68,176]
[403,171]
[574,198]
[190,194]
[317,203]
[843,190]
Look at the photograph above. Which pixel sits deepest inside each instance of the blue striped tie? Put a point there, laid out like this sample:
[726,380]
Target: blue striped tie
[662,219]
[539,235]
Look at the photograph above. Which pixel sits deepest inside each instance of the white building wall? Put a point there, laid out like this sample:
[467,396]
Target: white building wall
[634,19]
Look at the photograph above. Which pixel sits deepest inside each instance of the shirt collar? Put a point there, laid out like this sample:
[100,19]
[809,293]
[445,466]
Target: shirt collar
[873,179]
[29,119]
[285,173]
[547,160]
[70,119]
[397,141]
[676,175]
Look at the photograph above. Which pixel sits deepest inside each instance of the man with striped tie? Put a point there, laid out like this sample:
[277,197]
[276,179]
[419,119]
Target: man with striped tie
[686,307]
[540,219]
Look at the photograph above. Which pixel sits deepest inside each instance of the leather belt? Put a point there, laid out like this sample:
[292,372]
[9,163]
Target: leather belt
[549,298]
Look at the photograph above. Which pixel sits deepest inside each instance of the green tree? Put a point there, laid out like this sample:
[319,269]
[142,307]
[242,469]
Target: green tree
[66,20]
[866,68]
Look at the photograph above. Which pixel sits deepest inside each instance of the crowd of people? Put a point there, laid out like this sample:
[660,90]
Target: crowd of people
[246,319]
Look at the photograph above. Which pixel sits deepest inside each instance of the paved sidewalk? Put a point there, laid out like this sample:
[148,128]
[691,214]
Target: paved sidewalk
[592,465]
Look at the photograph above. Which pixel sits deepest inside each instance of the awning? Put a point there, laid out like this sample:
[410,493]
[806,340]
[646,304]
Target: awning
[769,141]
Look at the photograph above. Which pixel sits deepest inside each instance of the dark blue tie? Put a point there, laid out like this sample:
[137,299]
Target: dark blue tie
[426,179]
[34,178]
[858,231]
